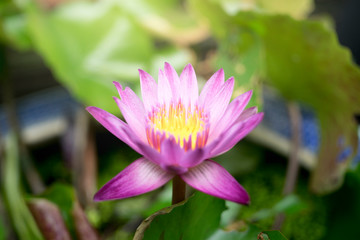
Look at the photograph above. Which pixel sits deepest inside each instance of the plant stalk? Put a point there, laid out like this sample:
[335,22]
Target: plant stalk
[293,165]
[179,190]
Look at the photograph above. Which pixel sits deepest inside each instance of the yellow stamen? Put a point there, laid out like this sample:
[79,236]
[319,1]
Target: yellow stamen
[188,127]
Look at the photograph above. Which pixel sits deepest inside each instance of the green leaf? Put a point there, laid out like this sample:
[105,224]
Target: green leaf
[197,218]
[289,205]
[168,20]
[240,55]
[3,227]
[271,235]
[88,45]
[344,209]
[306,63]
[296,8]
[62,195]
[23,222]
[250,234]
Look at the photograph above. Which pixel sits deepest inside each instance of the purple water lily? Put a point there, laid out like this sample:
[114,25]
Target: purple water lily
[177,132]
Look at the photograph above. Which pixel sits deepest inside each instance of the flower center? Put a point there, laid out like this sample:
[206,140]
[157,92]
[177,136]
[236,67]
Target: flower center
[189,128]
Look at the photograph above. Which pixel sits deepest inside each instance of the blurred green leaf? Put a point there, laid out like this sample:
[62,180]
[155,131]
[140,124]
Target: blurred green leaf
[61,194]
[296,8]
[21,217]
[197,218]
[242,159]
[304,61]
[344,209]
[3,230]
[229,215]
[88,45]
[169,20]
[250,234]
[15,30]
[240,55]
[271,235]
[289,205]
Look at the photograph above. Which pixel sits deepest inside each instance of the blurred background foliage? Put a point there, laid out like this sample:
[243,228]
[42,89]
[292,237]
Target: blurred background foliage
[286,47]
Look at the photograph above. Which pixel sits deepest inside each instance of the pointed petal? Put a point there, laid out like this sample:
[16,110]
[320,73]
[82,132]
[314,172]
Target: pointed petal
[212,87]
[230,116]
[211,178]
[130,99]
[135,122]
[247,113]
[148,90]
[140,177]
[188,86]
[164,89]
[115,126]
[218,104]
[234,134]
[174,81]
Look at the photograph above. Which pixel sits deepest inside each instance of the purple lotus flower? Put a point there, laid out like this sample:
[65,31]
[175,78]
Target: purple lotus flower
[177,132]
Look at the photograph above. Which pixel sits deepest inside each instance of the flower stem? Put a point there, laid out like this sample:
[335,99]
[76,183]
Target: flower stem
[179,190]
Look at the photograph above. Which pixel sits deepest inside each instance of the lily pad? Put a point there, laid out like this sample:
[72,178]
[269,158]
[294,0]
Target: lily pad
[197,218]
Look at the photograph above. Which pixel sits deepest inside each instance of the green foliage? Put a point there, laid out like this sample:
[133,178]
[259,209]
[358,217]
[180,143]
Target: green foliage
[190,220]
[240,55]
[289,205]
[344,209]
[21,217]
[3,230]
[90,44]
[84,60]
[272,235]
[63,196]
[243,158]
[309,65]
[304,61]
[304,213]
[15,32]
[249,234]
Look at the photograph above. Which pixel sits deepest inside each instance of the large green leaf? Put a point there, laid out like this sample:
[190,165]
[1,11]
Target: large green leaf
[197,218]
[240,55]
[304,61]
[89,45]
[295,8]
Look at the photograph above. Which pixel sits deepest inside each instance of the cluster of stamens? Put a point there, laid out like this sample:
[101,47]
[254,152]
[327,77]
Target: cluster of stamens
[187,127]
